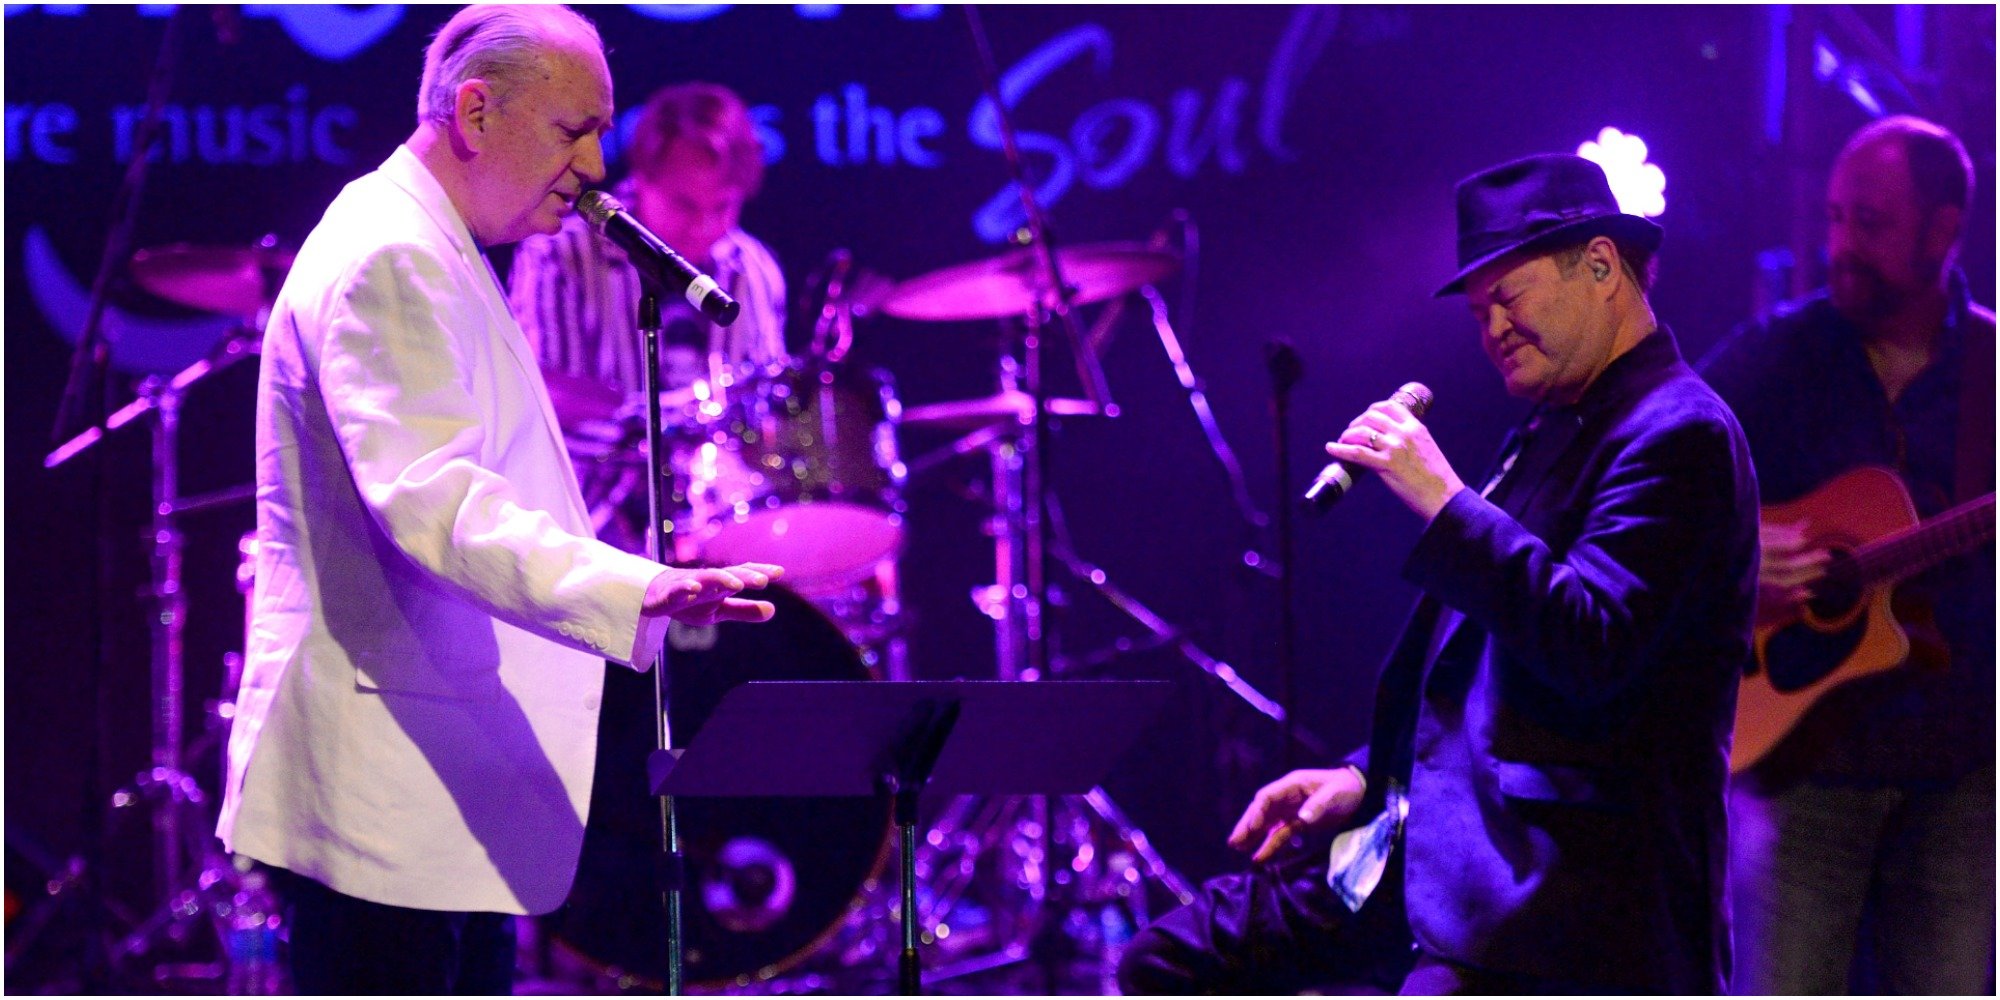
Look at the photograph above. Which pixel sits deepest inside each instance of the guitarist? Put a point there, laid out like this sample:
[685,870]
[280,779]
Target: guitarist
[1884,794]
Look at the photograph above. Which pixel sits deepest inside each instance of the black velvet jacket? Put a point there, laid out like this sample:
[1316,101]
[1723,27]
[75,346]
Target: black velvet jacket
[1560,704]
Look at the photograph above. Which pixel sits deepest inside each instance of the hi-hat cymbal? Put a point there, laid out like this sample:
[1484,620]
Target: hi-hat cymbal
[233,281]
[1012,283]
[968,414]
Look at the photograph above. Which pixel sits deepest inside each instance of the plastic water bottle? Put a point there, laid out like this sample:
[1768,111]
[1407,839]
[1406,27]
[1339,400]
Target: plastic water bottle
[1116,930]
[251,941]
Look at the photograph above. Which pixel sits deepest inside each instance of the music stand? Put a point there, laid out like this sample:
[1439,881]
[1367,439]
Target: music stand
[863,738]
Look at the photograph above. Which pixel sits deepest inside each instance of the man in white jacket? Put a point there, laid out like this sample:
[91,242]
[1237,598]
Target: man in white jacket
[416,725]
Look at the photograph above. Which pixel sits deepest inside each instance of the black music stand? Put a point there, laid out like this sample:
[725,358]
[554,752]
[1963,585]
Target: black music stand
[862,738]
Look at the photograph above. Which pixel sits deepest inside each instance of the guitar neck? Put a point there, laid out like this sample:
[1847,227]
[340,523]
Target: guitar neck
[1905,553]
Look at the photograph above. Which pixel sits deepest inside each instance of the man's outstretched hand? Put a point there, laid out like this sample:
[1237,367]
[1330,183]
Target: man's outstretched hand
[707,596]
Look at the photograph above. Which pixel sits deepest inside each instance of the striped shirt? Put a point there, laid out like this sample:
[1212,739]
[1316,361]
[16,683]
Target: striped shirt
[576,295]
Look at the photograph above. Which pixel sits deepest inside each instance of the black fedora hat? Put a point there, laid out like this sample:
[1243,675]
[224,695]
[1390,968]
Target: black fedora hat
[1536,203]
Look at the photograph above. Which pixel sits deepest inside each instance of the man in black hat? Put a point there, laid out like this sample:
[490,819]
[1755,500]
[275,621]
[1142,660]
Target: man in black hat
[1540,804]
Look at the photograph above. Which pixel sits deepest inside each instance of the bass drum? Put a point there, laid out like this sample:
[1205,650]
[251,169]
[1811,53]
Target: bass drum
[769,880]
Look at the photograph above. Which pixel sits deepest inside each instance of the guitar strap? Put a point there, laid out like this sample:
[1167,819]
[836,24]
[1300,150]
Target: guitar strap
[1974,475]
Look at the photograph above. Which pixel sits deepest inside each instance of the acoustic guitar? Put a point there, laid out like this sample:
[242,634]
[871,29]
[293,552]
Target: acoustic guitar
[1846,629]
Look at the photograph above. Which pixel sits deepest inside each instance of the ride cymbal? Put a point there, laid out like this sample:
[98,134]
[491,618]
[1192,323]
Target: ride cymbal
[232,281]
[1013,283]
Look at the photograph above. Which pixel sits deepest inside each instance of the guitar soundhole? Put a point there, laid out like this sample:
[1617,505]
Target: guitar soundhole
[1799,654]
[1836,594]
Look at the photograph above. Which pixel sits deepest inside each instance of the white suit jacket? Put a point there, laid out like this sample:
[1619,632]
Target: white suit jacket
[417,721]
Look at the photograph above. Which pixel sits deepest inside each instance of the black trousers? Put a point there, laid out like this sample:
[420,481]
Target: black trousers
[1274,929]
[342,946]
[1278,929]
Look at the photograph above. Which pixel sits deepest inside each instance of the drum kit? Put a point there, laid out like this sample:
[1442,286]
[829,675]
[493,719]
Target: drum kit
[801,465]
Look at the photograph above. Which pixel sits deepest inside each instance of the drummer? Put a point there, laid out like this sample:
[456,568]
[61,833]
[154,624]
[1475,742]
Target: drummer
[694,159]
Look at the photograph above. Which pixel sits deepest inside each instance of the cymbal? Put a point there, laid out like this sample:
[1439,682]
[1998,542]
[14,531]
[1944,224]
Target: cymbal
[968,414]
[233,281]
[1011,284]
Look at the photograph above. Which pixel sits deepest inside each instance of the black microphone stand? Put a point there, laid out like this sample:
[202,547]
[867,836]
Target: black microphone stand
[1286,368]
[672,871]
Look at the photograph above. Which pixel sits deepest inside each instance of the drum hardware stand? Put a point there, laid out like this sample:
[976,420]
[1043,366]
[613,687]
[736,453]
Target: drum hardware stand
[65,889]
[1197,396]
[1022,654]
[970,830]
[984,439]
[993,821]
[1057,300]
[179,808]
[1032,604]
[1024,513]
[82,405]
[1283,362]
[1020,597]
[833,329]
[1163,633]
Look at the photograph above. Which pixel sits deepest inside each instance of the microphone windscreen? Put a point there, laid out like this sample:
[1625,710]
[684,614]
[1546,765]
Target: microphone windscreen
[1415,397]
[597,207]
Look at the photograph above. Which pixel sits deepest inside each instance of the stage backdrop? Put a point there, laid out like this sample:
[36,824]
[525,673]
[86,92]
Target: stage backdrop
[1312,149]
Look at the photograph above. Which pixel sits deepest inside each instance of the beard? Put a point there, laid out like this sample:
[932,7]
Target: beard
[1861,292]
[1858,289]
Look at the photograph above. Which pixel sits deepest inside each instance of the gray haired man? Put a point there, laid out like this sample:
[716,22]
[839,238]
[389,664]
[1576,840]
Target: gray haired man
[415,731]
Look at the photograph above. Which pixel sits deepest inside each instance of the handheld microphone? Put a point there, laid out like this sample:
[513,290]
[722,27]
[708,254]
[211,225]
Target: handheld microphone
[1335,480]
[656,261]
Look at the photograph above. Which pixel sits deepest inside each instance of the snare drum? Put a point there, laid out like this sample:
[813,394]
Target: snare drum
[769,880]
[801,469]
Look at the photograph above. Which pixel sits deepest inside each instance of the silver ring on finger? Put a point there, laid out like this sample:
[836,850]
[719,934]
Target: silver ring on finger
[1374,441]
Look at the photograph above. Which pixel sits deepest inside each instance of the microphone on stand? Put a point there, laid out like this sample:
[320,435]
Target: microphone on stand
[1335,480]
[655,259]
